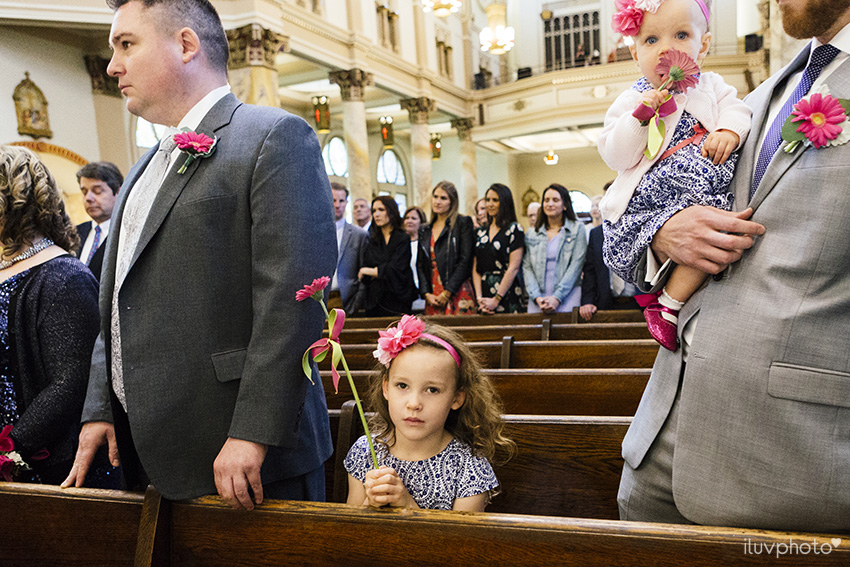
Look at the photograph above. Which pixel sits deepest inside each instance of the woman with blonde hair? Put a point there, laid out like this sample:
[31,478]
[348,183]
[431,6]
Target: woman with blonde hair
[49,318]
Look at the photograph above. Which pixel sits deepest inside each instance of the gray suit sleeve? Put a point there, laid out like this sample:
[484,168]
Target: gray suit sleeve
[97,406]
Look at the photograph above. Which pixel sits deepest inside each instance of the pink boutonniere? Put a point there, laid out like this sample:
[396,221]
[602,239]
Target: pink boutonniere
[12,466]
[196,145]
[818,120]
[319,349]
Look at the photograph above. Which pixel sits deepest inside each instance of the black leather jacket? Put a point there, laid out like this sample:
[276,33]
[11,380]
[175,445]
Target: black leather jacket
[454,249]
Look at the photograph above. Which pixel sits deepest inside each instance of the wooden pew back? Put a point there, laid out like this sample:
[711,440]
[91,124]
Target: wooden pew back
[529,332]
[563,466]
[593,391]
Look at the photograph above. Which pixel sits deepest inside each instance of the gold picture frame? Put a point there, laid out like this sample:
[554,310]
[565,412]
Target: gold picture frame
[31,109]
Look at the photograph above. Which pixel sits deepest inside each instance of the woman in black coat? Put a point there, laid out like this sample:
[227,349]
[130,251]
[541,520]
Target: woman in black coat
[386,263]
[450,240]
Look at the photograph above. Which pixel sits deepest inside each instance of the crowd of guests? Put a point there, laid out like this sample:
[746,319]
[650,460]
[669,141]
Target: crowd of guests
[448,263]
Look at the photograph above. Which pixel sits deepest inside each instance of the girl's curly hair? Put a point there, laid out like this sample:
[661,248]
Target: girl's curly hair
[30,204]
[477,423]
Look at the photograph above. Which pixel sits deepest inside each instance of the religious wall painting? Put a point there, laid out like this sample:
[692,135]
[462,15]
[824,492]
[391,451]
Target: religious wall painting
[31,109]
[529,197]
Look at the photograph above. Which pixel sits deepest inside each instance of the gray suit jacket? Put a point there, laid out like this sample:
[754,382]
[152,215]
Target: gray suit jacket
[212,336]
[763,437]
[351,249]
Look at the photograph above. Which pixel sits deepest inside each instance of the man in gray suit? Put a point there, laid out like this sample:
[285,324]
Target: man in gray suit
[351,241]
[203,334]
[754,430]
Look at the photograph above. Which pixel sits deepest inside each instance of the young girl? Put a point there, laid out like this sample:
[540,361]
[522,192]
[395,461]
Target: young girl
[437,422]
[695,169]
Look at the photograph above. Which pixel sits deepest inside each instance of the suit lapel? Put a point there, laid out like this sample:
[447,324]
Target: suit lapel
[759,101]
[343,243]
[174,183]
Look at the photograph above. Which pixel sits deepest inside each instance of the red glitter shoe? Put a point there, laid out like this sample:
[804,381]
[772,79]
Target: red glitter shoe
[662,330]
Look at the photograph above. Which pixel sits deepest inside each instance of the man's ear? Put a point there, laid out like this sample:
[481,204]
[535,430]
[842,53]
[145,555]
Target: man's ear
[703,50]
[190,44]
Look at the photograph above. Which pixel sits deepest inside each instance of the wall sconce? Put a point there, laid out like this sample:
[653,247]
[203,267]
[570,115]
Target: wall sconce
[551,158]
[322,113]
[436,146]
[441,9]
[387,135]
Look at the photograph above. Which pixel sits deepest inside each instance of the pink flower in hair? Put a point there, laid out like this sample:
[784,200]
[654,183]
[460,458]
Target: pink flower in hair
[395,339]
[627,19]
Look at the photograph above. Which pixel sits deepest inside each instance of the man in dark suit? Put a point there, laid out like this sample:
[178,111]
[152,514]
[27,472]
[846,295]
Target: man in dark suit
[351,243]
[601,288]
[99,182]
[203,334]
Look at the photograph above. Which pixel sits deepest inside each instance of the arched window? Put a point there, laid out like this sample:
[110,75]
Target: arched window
[148,134]
[336,157]
[581,202]
[391,178]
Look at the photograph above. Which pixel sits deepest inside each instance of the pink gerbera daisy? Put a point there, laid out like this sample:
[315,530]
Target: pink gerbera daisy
[820,118]
[677,70]
[313,290]
[193,142]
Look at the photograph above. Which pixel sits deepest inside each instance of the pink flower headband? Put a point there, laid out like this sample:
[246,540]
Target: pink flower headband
[629,16]
[409,331]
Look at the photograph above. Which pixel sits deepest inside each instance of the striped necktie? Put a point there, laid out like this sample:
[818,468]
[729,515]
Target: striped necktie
[821,57]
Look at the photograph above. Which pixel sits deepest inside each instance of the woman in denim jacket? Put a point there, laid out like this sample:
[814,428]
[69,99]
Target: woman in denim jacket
[555,251]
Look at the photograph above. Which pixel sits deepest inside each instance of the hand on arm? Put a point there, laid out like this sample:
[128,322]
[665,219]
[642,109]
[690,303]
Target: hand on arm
[237,468]
[92,436]
[367,272]
[719,145]
[384,486]
[706,238]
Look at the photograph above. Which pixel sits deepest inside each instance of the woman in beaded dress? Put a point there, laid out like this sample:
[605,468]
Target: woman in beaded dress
[49,317]
[499,248]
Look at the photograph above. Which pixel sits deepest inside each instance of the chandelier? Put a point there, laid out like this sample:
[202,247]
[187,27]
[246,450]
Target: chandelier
[551,158]
[441,9]
[496,38]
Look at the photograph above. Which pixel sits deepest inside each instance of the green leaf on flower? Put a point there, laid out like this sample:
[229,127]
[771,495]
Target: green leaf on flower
[655,137]
[331,321]
[305,366]
[789,131]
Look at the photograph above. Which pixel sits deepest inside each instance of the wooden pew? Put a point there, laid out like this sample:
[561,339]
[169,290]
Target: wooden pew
[206,532]
[507,353]
[544,332]
[504,319]
[614,391]
[611,316]
[45,525]
[563,466]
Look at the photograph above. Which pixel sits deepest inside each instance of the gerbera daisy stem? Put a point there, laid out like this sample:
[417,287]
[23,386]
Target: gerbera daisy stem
[360,411]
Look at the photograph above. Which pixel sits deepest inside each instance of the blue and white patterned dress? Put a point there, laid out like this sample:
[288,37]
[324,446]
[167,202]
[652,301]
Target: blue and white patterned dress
[434,483]
[678,181]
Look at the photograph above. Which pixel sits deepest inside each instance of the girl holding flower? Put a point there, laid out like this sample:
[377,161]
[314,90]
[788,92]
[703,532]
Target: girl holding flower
[672,138]
[437,424]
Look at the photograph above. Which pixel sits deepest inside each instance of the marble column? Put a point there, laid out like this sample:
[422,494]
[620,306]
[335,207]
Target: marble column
[420,141]
[351,84]
[252,72]
[468,165]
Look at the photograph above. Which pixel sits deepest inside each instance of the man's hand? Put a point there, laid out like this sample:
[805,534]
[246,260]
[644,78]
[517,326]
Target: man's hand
[92,436]
[586,311]
[706,238]
[236,468]
[719,145]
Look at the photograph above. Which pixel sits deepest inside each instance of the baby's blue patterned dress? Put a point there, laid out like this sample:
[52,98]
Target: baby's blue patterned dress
[434,483]
[672,184]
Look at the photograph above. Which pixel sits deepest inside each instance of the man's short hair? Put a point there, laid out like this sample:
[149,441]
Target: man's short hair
[103,171]
[336,186]
[201,16]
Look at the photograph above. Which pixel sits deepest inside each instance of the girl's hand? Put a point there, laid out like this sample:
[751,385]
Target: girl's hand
[654,98]
[384,486]
[443,298]
[432,300]
[719,145]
